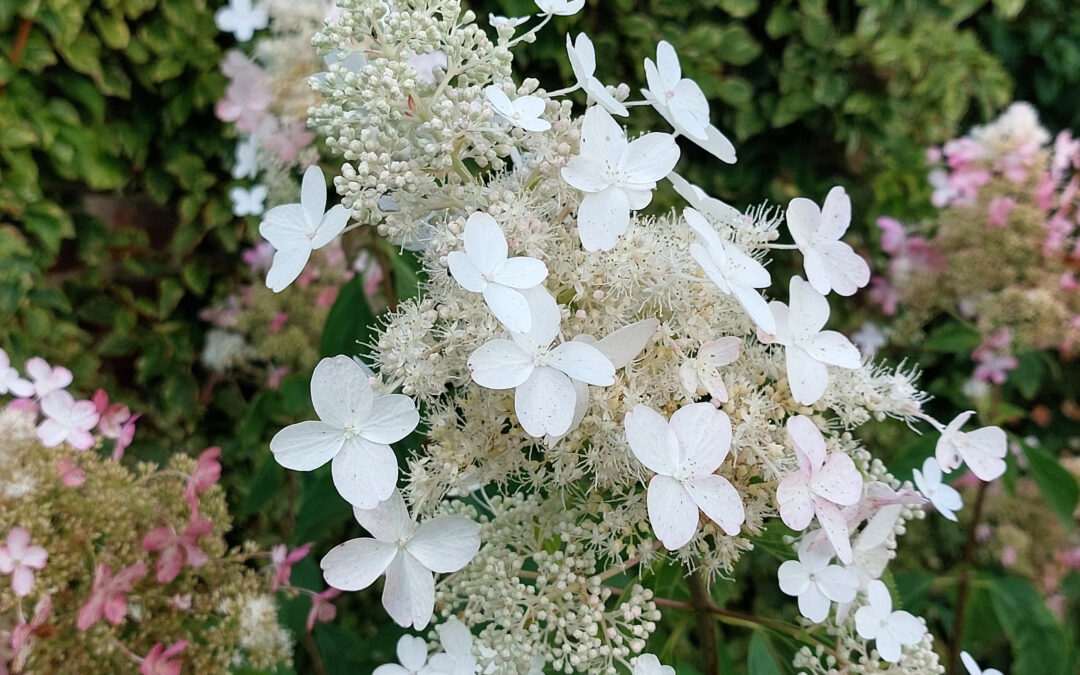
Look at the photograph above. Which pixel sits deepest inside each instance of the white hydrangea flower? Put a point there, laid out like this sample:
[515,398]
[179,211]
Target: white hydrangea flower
[412,653]
[944,497]
[712,208]
[648,664]
[354,431]
[831,264]
[523,111]
[582,57]
[246,164]
[242,18]
[247,201]
[560,7]
[891,630]
[409,554]
[701,374]
[456,657]
[10,381]
[983,450]
[973,667]
[815,582]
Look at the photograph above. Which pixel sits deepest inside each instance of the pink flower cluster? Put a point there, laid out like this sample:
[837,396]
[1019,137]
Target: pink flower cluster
[908,255]
[994,358]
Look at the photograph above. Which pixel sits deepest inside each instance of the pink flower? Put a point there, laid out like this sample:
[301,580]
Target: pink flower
[67,420]
[19,559]
[207,472]
[160,660]
[1044,192]
[1066,153]
[111,417]
[1014,165]
[885,295]
[960,152]
[108,595]
[174,550]
[994,358]
[46,378]
[1071,557]
[999,210]
[260,257]
[26,405]
[10,382]
[1008,556]
[322,610]
[1068,282]
[71,475]
[22,635]
[327,296]
[273,379]
[278,322]
[289,141]
[247,97]
[127,433]
[182,602]
[283,561]
[893,235]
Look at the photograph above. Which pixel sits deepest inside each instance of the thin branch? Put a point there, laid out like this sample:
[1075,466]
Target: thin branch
[706,625]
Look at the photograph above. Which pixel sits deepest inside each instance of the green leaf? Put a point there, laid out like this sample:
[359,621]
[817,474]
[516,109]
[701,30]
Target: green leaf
[268,480]
[760,659]
[350,322]
[1039,644]
[953,338]
[1057,485]
[1028,374]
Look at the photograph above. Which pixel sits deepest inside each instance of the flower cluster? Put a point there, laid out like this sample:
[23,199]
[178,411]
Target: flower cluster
[602,389]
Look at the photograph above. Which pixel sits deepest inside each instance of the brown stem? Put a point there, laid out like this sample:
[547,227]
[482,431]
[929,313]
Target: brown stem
[965,583]
[387,279]
[312,650]
[706,626]
[21,37]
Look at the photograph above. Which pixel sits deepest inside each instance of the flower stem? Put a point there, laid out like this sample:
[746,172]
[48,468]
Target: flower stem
[965,583]
[706,625]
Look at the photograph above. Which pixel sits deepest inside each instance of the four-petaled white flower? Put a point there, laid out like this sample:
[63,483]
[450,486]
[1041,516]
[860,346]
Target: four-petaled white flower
[354,431]
[616,176]
[67,420]
[712,208]
[523,111]
[701,374]
[973,668]
[683,453]
[246,162]
[808,350]
[542,377]
[732,270]
[648,664]
[815,582]
[412,654]
[46,379]
[831,265]
[560,7]
[582,57]
[456,657]
[680,101]
[484,268]
[296,230]
[819,487]
[242,18]
[944,497]
[410,555]
[892,630]
[10,382]
[247,202]
[983,450]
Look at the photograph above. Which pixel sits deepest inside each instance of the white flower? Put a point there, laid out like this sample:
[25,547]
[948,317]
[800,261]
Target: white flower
[242,18]
[484,268]
[412,653]
[523,111]
[869,339]
[684,452]
[815,582]
[10,382]
[457,657]
[701,374]
[542,377]
[409,554]
[807,348]
[498,21]
[733,272]
[710,207]
[246,164]
[560,7]
[355,429]
[247,202]
[819,487]
[944,497]
[648,664]
[67,420]
[892,630]
[681,102]
[973,668]
[582,57]
[983,449]
[830,263]
[296,230]
[46,379]
[617,176]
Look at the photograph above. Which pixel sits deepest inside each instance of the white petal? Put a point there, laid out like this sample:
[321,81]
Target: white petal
[509,307]
[888,646]
[802,218]
[585,173]
[392,418]
[672,512]
[412,652]
[285,226]
[500,364]
[704,435]
[808,310]
[582,56]
[445,544]
[546,319]
[793,577]
[465,272]
[595,88]
[388,521]
[307,445]
[839,480]
[834,349]
[649,158]
[985,452]
[719,500]
[603,217]
[485,242]
[623,346]
[313,195]
[880,599]
[838,584]
[51,433]
[836,528]
[807,377]
[601,135]
[357,563]
[340,391]
[409,593]
[330,226]
[690,110]
[905,627]
[867,621]
[808,441]
[667,65]
[848,271]
[835,215]
[364,473]
[813,604]
[520,272]
[651,440]
[287,265]
[582,362]
[756,308]
[499,100]
[544,403]
[794,501]
[719,145]
[721,352]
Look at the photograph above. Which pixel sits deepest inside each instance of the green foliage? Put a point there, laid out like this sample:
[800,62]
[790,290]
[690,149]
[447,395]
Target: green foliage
[1039,644]
[112,218]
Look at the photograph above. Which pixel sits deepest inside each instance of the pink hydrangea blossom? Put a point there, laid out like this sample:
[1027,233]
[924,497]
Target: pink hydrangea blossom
[287,142]
[23,634]
[322,608]
[71,475]
[108,596]
[278,322]
[67,420]
[46,378]
[327,296]
[1066,153]
[274,377]
[206,473]
[127,434]
[283,560]
[1044,192]
[19,559]
[259,258]
[111,418]
[999,210]
[161,661]
[994,359]
[247,97]
[175,549]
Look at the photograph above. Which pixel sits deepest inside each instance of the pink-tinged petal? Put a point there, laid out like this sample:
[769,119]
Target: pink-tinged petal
[81,439]
[839,480]
[794,501]
[409,593]
[544,403]
[445,544]
[125,579]
[465,272]
[392,418]
[603,217]
[306,445]
[485,242]
[18,541]
[364,473]
[521,273]
[22,581]
[704,436]
[341,391]
[807,376]
[834,349]
[357,563]
[169,564]
[793,577]
[834,524]
[582,362]
[651,440]
[509,307]
[500,364]
[719,500]
[672,512]
[35,557]
[808,441]
[83,415]
[813,604]
[159,538]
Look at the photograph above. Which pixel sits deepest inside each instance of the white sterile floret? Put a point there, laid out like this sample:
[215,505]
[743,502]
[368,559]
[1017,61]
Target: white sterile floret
[10,381]
[560,7]
[808,349]
[815,582]
[683,453]
[582,57]
[710,207]
[412,654]
[457,655]
[973,668]
[295,230]
[648,664]
[819,487]
[616,176]
[242,18]
[523,111]
[246,161]
[681,102]
[701,374]
[542,377]
[247,201]
[831,265]
[354,431]
[484,268]
[410,555]
[732,270]
[891,630]
[944,497]
[983,450]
